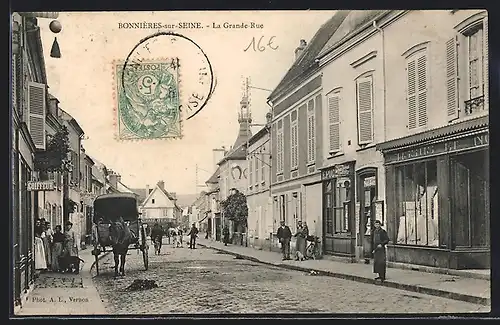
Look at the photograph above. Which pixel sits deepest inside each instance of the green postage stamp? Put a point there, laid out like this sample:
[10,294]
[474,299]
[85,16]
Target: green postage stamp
[147,99]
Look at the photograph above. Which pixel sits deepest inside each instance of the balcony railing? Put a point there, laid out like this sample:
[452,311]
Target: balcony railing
[474,105]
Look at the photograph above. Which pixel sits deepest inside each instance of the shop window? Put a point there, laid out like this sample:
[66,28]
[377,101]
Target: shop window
[417,203]
[329,207]
[341,205]
[470,202]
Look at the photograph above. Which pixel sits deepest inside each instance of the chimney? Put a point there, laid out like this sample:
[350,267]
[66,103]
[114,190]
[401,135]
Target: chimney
[300,49]
[161,184]
[218,154]
[113,180]
[53,105]
[269,117]
[119,178]
[147,189]
[173,195]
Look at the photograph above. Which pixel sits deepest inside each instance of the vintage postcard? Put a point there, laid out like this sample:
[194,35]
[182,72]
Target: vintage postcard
[250,162]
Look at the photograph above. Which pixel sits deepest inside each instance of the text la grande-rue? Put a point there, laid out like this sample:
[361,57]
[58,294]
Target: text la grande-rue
[227,25]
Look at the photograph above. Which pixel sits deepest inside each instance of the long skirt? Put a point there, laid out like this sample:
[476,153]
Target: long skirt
[48,253]
[40,259]
[379,261]
[57,250]
[300,245]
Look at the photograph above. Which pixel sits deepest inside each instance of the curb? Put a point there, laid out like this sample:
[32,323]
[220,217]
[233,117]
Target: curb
[390,284]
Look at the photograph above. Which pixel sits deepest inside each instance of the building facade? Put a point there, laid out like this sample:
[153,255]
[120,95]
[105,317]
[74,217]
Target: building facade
[353,175]
[160,206]
[261,224]
[436,154]
[29,113]
[297,136]
[87,195]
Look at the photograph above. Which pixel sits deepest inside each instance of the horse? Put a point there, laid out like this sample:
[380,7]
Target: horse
[121,237]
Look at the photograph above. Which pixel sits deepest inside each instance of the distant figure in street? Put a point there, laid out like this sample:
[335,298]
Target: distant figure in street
[47,242]
[284,235]
[301,236]
[380,239]
[157,237]
[57,248]
[167,233]
[193,233]
[225,233]
[180,234]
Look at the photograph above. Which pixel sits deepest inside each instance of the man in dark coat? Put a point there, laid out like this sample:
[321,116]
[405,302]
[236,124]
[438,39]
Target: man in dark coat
[225,234]
[380,239]
[284,235]
[193,233]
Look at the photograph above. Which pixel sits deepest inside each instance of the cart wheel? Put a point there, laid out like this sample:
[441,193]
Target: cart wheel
[96,264]
[145,257]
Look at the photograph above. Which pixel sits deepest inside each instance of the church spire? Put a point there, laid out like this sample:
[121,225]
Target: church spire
[244,115]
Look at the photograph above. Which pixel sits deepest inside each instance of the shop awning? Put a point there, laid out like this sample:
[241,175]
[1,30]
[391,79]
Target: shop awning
[442,132]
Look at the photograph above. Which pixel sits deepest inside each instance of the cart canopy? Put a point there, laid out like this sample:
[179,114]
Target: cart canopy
[110,207]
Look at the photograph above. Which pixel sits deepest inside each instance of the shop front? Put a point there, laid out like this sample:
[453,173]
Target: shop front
[339,233]
[437,193]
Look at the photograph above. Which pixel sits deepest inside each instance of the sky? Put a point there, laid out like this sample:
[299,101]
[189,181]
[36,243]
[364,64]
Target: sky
[82,80]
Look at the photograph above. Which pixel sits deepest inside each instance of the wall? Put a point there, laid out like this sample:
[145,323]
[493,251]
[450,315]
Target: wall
[435,27]
[227,181]
[156,209]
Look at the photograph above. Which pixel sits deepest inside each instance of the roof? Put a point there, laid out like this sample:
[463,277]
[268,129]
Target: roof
[214,179]
[141,193]
[260,134]
[464,126]
[307,59]
[115,195]
[167,194]
[34,37]
[67,117]
[122,188]
[97,172]
[353,22]
[239,153]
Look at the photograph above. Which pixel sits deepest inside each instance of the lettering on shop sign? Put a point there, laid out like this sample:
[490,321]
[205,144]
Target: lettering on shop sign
[336,171]
[471,142]
[41,186]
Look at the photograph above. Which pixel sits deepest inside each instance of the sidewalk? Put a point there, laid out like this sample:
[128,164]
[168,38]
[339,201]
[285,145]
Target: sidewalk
[65,294]
[448,286]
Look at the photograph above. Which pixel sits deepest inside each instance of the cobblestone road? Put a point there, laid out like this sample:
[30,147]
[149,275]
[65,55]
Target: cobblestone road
[204,281]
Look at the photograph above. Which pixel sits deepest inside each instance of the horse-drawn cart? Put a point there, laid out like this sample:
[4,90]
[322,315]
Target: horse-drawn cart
[110,209]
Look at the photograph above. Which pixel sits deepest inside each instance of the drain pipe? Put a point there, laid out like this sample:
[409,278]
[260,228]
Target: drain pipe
[383,75]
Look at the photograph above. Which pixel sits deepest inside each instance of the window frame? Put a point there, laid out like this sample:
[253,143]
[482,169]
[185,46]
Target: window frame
[311,131]
[414,55]
[280,142]
[294,134]
[334,93]
[365,76]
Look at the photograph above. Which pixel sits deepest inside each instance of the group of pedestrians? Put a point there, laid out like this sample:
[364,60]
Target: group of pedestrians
[176,233]
[379,241]
[53,246]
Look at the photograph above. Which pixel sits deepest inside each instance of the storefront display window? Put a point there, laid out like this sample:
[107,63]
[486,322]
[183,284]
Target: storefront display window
[470,208]
[329,207]
[342,197]
[417,219]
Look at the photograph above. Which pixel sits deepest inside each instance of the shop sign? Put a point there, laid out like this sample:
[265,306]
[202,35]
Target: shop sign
[336,171]
[41,185]
[471,142]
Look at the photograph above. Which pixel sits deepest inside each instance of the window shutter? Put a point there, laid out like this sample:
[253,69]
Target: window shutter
[365,110]
[293,151]
[334,122]
[422,90]
[411,95]
[486,63]
[14,82]
[36,100]
[313,138]
[451,79]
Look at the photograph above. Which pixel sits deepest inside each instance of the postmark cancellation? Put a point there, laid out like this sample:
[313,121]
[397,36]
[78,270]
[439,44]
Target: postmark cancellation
[147,99]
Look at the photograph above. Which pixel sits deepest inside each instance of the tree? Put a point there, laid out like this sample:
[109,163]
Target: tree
[55,157]
[235,208]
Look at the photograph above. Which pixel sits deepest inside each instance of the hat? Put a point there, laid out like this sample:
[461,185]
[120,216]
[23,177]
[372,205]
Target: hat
[69,223]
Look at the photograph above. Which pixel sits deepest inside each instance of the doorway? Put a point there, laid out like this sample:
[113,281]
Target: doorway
[367,194]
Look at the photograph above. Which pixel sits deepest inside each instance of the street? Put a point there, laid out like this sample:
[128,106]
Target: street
[205,281]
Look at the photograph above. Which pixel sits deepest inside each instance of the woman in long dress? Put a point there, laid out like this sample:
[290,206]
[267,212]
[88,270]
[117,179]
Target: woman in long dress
[300,243]
[57,248]
[40,258]
[70,244]
[47,242]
